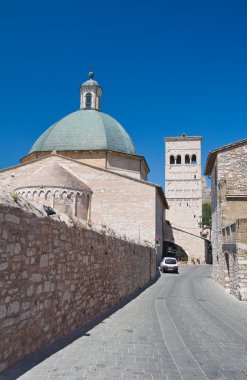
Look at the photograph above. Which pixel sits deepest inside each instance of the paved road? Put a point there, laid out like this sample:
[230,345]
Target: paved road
[182,327]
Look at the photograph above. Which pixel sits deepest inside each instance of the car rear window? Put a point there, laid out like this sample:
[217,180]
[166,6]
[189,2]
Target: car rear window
[170,261]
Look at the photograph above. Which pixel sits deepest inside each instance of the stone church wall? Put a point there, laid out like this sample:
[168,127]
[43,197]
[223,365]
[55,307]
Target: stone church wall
[233,259]
[131,202]
[229,202]
[194,246]
[55,277]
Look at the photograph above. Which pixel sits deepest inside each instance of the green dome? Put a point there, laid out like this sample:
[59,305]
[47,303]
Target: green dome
[85,130]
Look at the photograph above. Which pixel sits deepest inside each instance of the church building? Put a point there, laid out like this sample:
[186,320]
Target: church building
[86,166]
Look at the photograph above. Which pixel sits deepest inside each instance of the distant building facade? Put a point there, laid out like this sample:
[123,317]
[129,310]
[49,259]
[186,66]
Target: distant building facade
[183,187]
[227,167]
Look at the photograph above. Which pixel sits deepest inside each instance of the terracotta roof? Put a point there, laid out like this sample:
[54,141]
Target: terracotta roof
[213,154]
[53,175]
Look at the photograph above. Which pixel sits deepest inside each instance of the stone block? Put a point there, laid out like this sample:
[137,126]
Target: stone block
[39,289]
[30,291]
[16,266]
[24,274]
[47,286]
[13,308]
[44,260]
[10,249]
[3,266]
[25,305]
[3,365]
[32,260]
[36,277]
[8,322]
[31,252]
[4,234]
[25,315]
[3,311]
[12,218]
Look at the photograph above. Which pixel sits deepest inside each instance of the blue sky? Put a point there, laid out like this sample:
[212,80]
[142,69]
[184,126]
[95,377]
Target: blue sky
[166,67]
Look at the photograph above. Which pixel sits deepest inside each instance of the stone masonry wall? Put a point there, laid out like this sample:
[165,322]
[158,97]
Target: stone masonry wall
[229,202]
[55,277]
[233,259]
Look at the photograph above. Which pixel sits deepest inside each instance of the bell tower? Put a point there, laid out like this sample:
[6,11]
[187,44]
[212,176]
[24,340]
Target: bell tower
[184,182]
[90,92]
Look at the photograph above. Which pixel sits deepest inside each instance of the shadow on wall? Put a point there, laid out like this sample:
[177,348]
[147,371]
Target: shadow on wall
[174,250]
[169,247]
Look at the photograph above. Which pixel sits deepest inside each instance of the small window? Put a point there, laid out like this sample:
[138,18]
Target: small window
[178,160]
[172,160]
[88,100]
[215,177]
[193,159]
[194,176]
[187,159]
[227,261]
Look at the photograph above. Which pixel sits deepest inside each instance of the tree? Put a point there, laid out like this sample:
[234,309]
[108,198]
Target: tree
[206,214]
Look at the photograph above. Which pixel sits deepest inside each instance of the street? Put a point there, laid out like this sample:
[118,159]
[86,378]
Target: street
[184,326]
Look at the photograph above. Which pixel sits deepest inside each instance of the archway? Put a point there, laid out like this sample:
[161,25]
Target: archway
[174,250]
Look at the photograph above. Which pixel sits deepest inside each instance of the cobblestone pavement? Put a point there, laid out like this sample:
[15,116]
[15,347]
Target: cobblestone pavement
[182,327]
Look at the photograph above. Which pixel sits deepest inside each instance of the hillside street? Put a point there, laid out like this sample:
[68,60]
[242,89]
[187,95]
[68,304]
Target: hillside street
[181,327]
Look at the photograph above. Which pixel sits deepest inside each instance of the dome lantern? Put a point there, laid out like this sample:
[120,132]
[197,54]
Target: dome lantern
[90,94]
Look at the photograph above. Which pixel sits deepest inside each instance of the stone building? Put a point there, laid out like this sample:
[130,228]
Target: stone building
[206,212]
[183,186]
[86,165]
[227,167]
[59,189]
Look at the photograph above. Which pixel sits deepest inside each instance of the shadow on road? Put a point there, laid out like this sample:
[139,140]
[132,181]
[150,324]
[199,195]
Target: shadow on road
[34,359]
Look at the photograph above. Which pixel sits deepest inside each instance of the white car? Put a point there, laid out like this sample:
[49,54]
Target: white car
[169,264]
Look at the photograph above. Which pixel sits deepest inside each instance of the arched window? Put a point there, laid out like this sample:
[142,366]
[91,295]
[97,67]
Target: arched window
[172,160]
[88,100]
[193,159]
[178,160]
[187,159]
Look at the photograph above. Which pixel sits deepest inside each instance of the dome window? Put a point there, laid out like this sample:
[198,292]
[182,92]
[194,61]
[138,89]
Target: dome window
[88,100]
[178,160]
